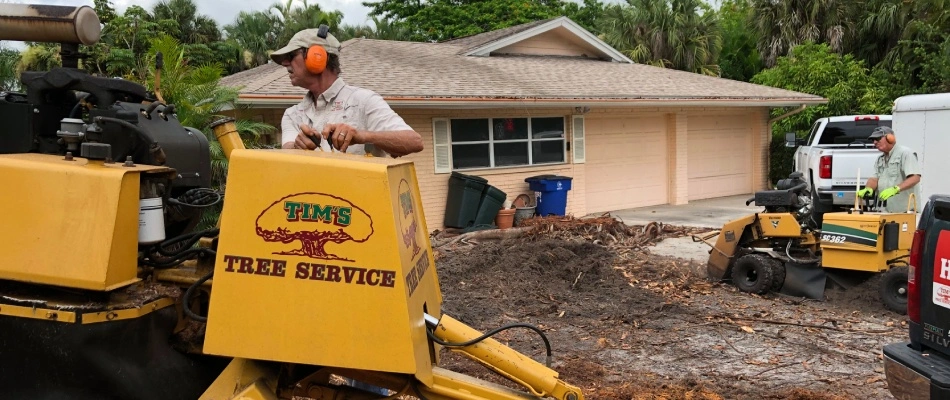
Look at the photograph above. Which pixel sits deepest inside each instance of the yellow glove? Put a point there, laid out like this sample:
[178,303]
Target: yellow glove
[889,192]
[864,192]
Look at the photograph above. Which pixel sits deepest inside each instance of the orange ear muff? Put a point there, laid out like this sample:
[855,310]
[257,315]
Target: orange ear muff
[890,138]
[316,59]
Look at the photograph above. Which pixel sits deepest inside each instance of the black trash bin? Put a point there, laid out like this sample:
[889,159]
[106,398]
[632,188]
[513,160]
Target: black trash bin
[463,199]
[551,193]
[492,200]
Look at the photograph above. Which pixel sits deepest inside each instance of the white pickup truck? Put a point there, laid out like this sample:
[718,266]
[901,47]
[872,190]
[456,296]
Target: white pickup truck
[837,157]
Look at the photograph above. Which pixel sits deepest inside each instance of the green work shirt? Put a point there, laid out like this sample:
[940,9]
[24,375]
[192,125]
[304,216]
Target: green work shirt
[891,169]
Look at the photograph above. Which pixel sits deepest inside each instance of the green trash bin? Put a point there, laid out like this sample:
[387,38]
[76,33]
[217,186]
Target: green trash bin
[461,203]
[492,200]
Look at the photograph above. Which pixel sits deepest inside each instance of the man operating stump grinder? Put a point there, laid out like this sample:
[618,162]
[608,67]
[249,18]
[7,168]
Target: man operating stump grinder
[336,116]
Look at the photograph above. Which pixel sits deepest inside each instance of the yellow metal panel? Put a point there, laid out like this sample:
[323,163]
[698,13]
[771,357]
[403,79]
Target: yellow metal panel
[779,225]
[240,376]
[38,313]
[129,313]
[721,254]
[81,219]
[855,241]
[415,252]
[311,264]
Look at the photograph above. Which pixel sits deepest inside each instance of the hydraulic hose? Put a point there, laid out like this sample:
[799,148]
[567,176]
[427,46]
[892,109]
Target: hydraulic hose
[493,332]
[788,253]
[186,300]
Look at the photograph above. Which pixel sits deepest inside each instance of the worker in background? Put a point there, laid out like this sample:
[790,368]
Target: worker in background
[334,115]
[896,172]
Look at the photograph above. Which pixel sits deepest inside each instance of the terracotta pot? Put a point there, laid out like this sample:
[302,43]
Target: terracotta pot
[505,218]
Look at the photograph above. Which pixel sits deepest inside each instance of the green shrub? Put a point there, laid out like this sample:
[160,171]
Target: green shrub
[781,160]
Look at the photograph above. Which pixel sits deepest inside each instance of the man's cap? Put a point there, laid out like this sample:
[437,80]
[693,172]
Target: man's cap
[880,131]
[303,40]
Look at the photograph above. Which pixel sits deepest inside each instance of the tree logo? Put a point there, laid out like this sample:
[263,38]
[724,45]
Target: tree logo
[407,217]
[314,219]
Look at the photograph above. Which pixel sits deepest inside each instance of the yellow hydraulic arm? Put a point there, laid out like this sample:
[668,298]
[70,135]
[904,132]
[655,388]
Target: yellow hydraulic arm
[540,380]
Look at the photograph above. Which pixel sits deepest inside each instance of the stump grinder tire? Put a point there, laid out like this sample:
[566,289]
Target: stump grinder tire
[778,274]
[893,289]
[753,273]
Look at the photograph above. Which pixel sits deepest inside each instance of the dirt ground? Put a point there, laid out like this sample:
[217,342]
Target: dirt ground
[625,323]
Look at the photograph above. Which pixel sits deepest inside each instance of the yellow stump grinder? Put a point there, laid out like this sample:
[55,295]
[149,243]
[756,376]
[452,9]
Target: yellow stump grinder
[783,249]
[305,288]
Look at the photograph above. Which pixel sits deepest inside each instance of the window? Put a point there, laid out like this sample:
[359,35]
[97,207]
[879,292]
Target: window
[506,142]
[850,132]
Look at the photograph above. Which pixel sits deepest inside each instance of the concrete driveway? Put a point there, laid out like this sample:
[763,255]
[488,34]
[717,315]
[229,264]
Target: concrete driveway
[708,213]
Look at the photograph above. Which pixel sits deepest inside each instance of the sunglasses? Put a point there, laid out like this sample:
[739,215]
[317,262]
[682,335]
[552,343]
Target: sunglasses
[290,56]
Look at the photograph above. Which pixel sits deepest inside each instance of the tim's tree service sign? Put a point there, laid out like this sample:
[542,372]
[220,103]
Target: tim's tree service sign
[941,295]
[313,220]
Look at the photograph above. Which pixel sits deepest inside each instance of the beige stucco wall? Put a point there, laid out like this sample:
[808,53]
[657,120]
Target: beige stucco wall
[558,42]
[434,187]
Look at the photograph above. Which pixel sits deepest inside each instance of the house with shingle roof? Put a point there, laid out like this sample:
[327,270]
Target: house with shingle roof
[550,98]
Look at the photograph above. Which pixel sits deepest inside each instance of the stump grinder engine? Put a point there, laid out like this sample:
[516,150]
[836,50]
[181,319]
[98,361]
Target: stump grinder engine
[318,282]
[782,249]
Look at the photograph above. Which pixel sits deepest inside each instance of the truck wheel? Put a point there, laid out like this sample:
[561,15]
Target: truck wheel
[893,289]
[752,273]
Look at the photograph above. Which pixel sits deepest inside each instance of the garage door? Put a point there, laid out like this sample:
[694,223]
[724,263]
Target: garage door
[626,163]
[719,158]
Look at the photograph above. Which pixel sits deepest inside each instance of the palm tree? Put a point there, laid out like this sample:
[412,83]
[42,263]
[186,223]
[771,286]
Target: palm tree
[295,19]
[39,57]
[382,29]
[122,48]
[696,41]
[891,29]
[739,58]
[679,34]
[206,30]
[190,27]
[199,99]
[256,32]
[783,24]
[387,29]
[346,32]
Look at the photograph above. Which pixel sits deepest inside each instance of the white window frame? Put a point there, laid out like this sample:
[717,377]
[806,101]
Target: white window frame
[442,138]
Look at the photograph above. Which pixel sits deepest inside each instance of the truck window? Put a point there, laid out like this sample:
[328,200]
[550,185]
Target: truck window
[846,132]
[811,135]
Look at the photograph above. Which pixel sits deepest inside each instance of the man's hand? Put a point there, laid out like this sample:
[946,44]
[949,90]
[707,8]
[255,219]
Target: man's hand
[889,192]
[307,139]
[864,192]
[341,136]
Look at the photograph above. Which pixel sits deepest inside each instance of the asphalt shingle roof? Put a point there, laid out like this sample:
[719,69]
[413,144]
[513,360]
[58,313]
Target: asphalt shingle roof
[471,42]
[414,70]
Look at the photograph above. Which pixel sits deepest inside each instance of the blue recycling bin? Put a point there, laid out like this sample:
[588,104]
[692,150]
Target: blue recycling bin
[551,192]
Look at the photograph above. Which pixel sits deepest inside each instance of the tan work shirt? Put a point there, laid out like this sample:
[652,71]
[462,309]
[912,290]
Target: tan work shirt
[360,108]
[891,169]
